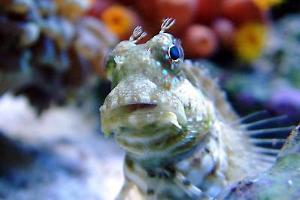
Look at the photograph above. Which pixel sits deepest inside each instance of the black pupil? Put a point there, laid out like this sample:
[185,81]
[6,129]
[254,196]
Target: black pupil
[174,53]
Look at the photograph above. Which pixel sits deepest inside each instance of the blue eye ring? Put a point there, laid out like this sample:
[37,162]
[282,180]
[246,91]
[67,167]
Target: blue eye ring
[174,53]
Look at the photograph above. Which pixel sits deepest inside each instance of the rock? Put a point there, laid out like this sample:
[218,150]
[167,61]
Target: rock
[58,155]
[280,182]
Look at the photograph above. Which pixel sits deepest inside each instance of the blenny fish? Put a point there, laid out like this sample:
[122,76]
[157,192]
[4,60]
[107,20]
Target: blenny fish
[182,139]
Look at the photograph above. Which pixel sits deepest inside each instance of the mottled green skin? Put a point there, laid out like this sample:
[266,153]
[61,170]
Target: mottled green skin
[174,124]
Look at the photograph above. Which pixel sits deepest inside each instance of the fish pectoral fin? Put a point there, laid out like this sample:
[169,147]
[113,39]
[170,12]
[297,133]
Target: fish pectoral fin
[265,131]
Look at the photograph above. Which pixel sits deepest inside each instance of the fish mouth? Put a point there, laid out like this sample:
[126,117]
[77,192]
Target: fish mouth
[138,116]
[139,106]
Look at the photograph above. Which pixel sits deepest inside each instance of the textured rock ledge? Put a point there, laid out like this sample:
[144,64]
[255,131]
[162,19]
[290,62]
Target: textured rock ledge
[280,182]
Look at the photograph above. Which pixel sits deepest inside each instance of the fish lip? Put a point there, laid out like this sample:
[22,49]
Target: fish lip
[131,107]
[139,106]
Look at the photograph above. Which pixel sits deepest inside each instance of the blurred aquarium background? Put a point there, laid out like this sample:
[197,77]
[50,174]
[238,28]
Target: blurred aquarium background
[52,80]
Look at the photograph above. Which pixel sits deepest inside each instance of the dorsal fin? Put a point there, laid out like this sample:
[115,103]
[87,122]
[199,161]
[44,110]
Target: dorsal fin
[262,144]
[201,79]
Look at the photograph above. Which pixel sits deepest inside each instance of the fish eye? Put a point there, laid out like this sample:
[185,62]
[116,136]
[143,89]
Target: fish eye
[174,52]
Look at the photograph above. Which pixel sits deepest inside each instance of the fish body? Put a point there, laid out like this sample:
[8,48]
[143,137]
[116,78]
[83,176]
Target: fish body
[179,133]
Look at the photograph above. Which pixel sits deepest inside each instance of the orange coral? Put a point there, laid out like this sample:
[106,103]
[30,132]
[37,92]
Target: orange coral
[266,4]
[119,20]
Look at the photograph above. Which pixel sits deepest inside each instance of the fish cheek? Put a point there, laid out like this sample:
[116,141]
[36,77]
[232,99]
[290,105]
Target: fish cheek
[113,74]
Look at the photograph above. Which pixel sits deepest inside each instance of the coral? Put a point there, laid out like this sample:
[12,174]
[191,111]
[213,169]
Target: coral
[250,40]
[119,20]
[51,47]
[266,4]
[200,41]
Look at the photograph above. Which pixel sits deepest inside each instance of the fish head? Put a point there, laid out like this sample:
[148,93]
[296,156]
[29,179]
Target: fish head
[148,108]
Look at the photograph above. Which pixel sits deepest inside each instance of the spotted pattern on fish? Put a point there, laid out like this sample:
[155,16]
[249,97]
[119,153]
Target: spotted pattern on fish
[179,133]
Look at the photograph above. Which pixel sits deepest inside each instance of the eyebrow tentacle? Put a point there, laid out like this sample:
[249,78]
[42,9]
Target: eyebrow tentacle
[167,23]
[137,34]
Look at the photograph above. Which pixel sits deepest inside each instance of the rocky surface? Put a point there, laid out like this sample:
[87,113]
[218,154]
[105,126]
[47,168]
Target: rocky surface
[281,182]
[59,155]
